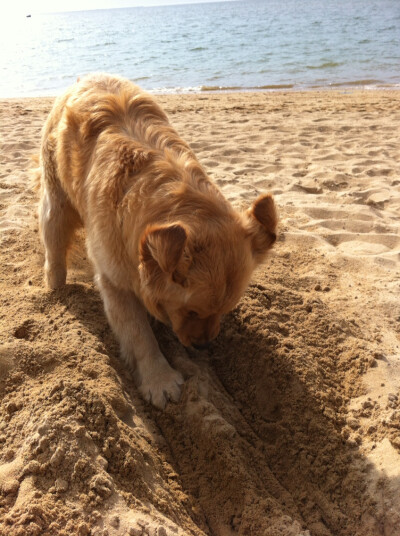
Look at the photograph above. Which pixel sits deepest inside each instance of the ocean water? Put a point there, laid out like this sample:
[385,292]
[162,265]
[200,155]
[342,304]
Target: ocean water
[249,44]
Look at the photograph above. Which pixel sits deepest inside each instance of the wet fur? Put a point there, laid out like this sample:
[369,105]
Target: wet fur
[160,235]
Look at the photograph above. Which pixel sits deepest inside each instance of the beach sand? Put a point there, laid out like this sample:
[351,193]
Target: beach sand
[290,424]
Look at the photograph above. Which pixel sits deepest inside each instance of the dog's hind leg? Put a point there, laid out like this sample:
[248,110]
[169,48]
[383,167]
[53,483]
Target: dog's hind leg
[57,221]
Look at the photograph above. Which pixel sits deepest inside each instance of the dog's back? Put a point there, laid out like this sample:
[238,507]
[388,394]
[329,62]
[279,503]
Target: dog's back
[110,156]
[99,111]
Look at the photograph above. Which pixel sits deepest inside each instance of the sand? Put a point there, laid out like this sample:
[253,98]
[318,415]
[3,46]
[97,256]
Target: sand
[290,424]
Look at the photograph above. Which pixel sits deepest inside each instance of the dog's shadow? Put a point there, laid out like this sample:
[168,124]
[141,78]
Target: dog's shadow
[280,398]
[84,303]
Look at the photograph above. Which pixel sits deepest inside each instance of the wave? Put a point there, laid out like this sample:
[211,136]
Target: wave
[220,88]
[276,86]
[105,44]
[247,88]
[326,65]
[369,82]
[173,90]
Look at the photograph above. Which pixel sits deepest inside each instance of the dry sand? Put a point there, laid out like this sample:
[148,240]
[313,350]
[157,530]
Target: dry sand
[290,424]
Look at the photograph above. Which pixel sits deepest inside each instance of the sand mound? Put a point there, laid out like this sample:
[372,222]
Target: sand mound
[289,424]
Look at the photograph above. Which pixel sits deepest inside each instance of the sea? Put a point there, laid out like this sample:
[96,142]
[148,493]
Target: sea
[217,46]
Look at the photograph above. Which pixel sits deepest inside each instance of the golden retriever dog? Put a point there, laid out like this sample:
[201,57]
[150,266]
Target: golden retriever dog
[160,235]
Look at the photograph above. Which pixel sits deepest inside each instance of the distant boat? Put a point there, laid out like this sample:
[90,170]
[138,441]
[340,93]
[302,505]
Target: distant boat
[28,16]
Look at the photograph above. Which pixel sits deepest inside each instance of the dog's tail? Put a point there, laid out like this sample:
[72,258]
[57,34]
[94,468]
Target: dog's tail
[36,174]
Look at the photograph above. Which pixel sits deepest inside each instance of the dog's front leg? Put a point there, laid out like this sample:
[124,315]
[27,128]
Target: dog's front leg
[157,380]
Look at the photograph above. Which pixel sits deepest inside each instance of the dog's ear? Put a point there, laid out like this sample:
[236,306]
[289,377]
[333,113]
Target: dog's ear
[163,246]
[262,222]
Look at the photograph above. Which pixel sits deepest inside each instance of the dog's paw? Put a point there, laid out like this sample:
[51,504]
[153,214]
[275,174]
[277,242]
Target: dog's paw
[162,388]
[55,276]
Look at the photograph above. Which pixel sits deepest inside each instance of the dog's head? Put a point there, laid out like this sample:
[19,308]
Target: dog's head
[191,275]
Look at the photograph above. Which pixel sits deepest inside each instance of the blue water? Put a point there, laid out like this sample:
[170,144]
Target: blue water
[244,45]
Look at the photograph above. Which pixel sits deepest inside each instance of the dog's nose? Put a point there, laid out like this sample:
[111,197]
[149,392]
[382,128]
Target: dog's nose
[202,346]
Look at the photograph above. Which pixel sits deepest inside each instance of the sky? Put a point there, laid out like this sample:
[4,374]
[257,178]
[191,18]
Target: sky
[25,7]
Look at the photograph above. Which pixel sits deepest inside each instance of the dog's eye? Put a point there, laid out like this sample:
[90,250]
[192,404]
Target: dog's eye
[192,314]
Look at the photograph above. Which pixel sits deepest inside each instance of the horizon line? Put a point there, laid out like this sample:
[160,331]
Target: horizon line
[140,6]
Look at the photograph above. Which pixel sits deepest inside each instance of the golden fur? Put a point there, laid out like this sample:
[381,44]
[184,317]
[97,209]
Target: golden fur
[159,233]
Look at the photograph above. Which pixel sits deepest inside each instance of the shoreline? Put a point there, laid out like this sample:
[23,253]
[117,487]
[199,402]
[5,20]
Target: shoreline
[211,90]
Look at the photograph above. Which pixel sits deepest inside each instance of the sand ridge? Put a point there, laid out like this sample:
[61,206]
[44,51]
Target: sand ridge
[290,423]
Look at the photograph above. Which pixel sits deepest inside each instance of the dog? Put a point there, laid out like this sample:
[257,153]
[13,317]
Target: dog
[160,235]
